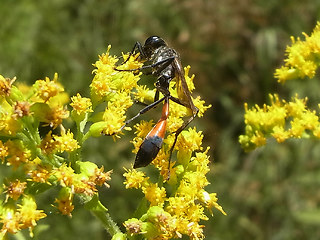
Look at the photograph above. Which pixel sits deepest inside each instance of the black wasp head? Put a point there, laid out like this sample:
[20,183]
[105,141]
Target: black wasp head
[151,44]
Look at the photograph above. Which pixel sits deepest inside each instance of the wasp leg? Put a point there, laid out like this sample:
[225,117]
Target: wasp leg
[144,110]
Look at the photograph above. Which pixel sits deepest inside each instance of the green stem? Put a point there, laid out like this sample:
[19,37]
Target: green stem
[107,222]
[101,212]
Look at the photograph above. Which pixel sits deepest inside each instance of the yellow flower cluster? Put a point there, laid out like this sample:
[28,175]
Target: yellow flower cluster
[281,120]
[302,57]
[115,87]
[34,141]
[59,143]
[81,105]
[25,215]
[179,214]
[31,136]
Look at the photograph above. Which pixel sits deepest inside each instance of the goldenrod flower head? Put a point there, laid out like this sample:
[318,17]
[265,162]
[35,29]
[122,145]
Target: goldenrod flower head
[301,57]
[6,85]
[94,174]
[48,144]
[135,179]
[40,174]
[21,109]
[114,114]
[55,116]
[8,123]
[46,89]
[281,119]
[65,142]
[133,226]
[28,213]
[18,153]
[190,140]
[10,220]
[108,80]
[64,201]
[144,94]
[154,194]
[80,104]
[65,175]
[15,189]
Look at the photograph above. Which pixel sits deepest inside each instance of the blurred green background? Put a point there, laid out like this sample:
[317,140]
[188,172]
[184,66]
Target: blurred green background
[233,48]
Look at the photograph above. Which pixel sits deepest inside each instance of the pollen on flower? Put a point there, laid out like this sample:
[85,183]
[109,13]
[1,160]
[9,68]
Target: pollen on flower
[28,213]
[301,61]
[46,89]
[18,153]
[64,201]
[281,119]
[144,94]
[10,221]
[55,116]
[15,189]
[6,85]
[81,104]
[65,175]
[65,142]
[154,194]
[21,109]
[134,178]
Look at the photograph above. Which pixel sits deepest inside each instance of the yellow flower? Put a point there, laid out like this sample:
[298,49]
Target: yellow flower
[144,94]
[108,80]
[280,134]
[46,89]
[48,144]
[154,194]
[65,142]
[65,175]
[81,104]
[64,201]
[8,121]
[28,213]
[301,57]
[40,175]
[190,140]
[15,189]
[134,178]
[18,153]
[6,85]
[281,119]
[55,116]
[114,115]
[10,221]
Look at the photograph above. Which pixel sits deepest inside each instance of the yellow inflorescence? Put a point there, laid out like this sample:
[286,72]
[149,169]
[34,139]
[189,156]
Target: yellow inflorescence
[302,57]
[34,141]
[281,120]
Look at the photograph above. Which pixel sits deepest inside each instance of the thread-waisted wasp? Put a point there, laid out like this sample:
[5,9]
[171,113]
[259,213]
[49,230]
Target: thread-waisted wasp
[164,63]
